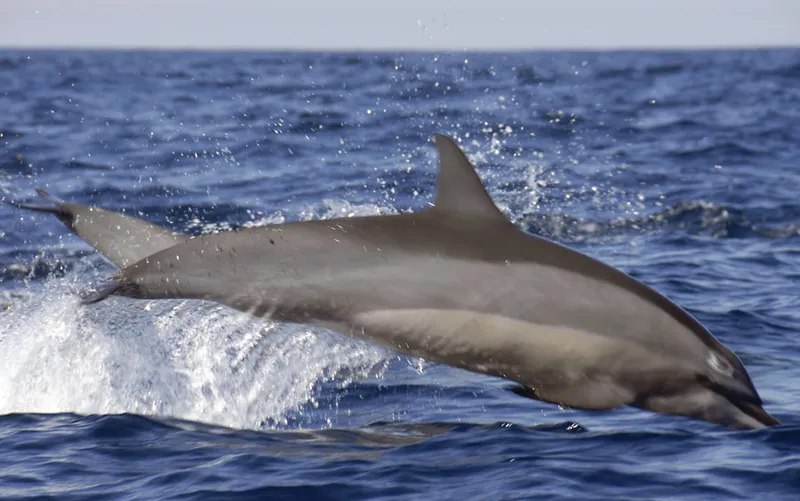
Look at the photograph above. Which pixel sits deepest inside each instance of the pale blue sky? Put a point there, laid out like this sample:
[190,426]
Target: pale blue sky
[407,24]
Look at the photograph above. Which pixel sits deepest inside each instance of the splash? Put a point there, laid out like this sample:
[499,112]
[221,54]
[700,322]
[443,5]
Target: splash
[186,359]
[190,360]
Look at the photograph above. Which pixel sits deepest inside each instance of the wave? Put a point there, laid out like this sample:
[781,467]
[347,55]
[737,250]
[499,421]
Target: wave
[692,218]
[115,455]
[136,427]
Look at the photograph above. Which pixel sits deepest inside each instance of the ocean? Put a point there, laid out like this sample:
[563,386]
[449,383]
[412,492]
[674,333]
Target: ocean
[680,168]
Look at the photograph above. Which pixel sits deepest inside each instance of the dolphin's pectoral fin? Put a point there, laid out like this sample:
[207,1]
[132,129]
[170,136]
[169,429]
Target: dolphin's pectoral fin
[590,395]
[523,391]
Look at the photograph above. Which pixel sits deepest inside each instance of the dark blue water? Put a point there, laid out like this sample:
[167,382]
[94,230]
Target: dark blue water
[680,168]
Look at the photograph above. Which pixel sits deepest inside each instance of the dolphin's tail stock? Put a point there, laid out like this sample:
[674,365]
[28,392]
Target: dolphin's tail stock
[122,239]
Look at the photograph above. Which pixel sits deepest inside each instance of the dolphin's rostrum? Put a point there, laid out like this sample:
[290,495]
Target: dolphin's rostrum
[455,283]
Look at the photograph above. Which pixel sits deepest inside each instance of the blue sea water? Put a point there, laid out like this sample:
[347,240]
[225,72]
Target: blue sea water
[681,168]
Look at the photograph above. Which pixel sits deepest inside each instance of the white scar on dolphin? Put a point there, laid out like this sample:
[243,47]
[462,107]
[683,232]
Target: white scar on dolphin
[456,283]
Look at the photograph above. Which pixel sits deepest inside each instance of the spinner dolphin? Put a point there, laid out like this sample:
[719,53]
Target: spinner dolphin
[455,283]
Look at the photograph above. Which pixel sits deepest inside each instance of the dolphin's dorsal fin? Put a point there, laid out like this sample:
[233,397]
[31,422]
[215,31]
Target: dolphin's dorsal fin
[459,190]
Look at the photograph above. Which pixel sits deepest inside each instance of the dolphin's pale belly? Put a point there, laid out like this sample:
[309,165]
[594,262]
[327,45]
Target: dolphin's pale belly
[564,365]
[542,299]
[492,344]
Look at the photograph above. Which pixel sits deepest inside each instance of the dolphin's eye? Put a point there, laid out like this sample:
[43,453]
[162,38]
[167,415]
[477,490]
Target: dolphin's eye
[719,364]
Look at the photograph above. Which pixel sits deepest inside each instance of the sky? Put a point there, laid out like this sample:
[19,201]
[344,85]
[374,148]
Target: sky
[403,24]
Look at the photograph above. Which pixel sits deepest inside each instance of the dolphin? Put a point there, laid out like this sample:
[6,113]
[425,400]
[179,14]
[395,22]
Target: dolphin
[455,283]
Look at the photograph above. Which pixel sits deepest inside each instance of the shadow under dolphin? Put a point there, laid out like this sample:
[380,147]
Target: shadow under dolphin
[455,283]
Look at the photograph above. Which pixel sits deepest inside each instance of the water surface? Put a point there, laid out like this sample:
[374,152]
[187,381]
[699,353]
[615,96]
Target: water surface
[680,168]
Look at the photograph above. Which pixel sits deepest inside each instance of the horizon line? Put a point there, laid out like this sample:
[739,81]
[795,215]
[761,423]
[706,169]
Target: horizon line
[408,49]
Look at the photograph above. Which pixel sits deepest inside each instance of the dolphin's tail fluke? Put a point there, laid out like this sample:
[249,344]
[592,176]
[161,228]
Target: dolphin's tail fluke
[47,203]
[122,239]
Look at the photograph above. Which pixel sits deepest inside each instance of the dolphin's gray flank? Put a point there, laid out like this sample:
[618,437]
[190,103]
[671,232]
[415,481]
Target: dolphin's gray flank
[456,283]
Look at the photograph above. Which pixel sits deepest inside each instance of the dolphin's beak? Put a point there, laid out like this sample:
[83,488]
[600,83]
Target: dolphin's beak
[756,412]
[701,402]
